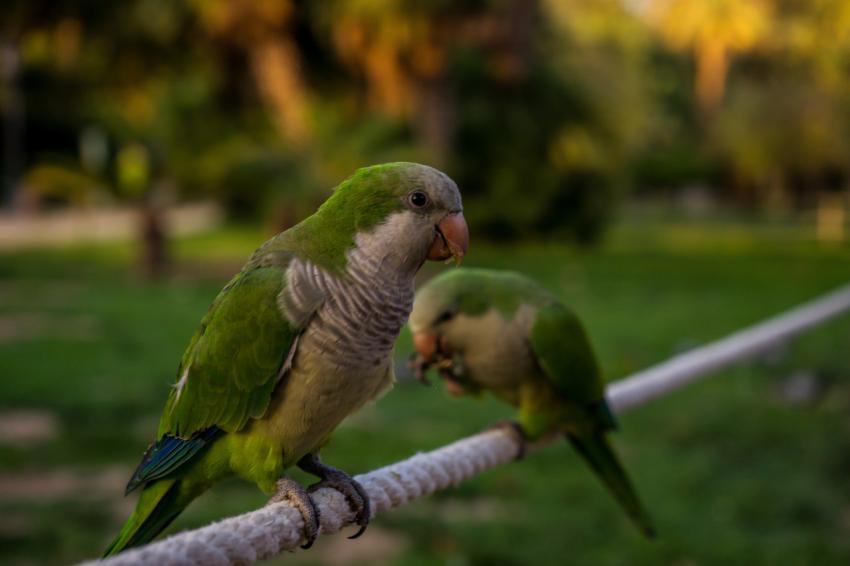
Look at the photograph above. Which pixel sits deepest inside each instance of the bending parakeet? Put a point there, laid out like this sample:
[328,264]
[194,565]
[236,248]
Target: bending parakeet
[501,332]
[295,342]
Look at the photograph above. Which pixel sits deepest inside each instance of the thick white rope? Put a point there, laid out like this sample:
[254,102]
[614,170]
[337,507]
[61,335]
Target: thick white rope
[681,370]
[266,532]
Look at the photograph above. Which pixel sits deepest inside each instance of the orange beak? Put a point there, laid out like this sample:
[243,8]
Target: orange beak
[425,344]
[451,239]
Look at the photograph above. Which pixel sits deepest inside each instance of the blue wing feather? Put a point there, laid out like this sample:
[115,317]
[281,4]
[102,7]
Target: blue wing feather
[168,454]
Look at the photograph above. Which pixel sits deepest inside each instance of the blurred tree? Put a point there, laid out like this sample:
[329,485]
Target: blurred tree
[481,90]
[263,30]
[11,105]
[83,64]
[783,136]
[714,30]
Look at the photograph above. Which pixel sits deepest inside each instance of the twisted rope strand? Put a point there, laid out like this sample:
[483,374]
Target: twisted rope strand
[268,531]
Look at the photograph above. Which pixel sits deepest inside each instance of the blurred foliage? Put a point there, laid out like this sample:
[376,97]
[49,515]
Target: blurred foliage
[545,112]
[49,183]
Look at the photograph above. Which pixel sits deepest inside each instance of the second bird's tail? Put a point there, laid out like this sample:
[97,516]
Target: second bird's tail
[597,452]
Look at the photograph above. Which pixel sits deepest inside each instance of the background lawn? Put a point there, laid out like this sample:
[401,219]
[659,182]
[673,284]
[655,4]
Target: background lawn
[748,467]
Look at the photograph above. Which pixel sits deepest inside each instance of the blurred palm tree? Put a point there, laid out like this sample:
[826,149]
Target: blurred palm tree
[263,31]
[715,30]
[404,51]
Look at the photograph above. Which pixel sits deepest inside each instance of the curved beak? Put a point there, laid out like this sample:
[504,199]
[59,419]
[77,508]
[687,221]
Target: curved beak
[451,239]
[425,344]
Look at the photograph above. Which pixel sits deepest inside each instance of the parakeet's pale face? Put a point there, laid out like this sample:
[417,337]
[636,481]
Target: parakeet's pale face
[428,223]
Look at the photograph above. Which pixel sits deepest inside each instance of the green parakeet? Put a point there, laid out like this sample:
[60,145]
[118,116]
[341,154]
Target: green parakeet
[501,332]
[295,342]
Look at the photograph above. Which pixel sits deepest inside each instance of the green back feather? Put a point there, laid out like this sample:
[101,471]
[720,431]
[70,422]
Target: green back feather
[234,359]
[565,355]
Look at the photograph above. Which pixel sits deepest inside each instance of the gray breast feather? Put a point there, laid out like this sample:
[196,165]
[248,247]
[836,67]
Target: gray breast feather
[357,315]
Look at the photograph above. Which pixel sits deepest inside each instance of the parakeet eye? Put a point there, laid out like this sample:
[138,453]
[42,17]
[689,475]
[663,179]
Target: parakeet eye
[445,316]
[418,199]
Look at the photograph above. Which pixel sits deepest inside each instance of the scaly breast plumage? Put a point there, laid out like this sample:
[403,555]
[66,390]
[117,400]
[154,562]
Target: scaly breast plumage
[358,320]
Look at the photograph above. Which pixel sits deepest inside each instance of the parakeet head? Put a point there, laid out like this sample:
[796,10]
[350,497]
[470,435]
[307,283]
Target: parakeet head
[401,213]
[427,214]
[435,311]
[445,306]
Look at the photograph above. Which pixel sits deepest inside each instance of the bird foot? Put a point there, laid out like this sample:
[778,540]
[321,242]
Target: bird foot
[290,490]
[446,369]
[515,431]
[336,479]
[419,366]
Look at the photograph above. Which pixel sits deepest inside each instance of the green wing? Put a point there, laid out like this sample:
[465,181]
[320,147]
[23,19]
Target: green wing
[564,353]
[235,359]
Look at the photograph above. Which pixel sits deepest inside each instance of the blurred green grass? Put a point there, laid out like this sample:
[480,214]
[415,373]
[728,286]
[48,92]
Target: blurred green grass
[732,469]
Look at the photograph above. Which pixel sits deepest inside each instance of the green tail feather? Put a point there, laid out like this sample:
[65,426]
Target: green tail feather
[159,503]
[594,448]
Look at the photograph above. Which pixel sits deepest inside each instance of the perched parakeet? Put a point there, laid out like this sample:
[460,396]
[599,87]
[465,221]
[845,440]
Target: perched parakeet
[501,332]
[295,342]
